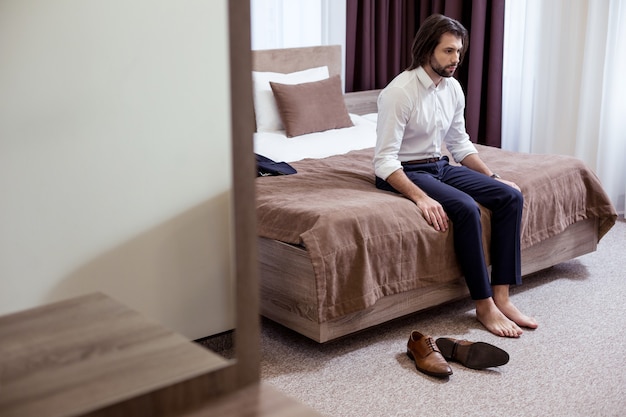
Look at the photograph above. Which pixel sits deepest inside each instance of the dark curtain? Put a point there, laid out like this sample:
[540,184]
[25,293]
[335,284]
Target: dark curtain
[379,34]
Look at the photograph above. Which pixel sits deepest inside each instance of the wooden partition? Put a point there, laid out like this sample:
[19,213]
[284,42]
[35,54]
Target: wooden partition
[247,332]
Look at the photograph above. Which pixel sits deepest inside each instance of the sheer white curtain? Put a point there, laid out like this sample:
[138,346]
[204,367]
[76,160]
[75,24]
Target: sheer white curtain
[564,86]
[296,23]
[285,23]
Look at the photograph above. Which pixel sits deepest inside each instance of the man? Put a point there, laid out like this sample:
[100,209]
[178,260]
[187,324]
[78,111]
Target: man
[419,109]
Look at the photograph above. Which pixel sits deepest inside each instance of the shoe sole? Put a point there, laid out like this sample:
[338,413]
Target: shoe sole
[438,375]
[478,355]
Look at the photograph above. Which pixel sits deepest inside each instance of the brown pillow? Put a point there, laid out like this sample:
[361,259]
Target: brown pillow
[311,107]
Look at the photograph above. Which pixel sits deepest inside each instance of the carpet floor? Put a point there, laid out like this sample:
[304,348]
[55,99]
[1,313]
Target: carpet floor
[572,365]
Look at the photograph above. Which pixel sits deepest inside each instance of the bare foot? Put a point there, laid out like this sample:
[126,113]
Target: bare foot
[506,306]
[509,310]
[494,320]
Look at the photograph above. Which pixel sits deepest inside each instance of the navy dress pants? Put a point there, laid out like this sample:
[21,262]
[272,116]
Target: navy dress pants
[458,189]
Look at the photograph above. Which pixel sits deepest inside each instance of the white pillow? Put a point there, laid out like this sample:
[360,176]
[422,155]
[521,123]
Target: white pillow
[265,109]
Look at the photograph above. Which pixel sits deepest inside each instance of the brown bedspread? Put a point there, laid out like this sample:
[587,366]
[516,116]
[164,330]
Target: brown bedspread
[365,243]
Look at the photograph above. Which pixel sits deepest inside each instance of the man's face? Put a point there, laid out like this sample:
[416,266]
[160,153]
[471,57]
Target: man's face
[447,55]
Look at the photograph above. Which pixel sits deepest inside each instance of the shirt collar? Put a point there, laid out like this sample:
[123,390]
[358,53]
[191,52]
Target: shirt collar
[426,81]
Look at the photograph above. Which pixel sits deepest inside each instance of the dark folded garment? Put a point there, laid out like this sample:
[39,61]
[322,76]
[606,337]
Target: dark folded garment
[266,166]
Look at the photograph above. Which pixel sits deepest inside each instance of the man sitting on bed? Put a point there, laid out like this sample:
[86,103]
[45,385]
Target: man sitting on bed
[419,109]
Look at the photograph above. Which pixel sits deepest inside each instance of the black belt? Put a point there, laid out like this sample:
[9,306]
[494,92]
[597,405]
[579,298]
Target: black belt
[421,161]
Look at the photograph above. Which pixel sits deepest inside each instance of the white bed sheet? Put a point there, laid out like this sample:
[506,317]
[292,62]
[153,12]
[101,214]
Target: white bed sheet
[280,148]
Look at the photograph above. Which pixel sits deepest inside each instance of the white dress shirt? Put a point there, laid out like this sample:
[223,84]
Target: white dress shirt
[414,117]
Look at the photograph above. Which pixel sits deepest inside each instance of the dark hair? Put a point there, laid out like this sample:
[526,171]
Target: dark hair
[428,36]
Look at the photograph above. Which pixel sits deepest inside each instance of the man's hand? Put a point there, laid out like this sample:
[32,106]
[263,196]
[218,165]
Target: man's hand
[509,183]
[433,213]
[431,209]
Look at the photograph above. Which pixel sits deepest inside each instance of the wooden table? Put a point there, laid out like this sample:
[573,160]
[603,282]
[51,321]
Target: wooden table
[94,356]
[92,353]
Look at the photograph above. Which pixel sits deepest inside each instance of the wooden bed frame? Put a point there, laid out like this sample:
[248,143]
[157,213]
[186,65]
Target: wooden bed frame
[287,281]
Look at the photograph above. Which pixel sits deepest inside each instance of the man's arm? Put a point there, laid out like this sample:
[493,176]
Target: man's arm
[431,209]
[474,162]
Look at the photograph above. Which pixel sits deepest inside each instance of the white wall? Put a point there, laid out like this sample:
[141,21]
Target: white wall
[115,170]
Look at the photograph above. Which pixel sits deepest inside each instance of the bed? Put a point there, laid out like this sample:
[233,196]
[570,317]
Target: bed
[337,255]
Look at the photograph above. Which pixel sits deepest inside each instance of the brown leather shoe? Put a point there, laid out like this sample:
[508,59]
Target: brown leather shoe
[428,359]
[475,355]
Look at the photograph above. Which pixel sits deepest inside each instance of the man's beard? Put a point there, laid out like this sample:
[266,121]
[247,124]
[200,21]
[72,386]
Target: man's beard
[440,70]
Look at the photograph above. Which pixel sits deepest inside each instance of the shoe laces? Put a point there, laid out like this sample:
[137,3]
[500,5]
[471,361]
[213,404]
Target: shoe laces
[432,345]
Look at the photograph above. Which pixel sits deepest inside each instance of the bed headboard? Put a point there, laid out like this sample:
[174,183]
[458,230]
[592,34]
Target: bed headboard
[297,59]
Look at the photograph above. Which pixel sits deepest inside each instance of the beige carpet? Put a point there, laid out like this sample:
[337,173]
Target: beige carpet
[573,365]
